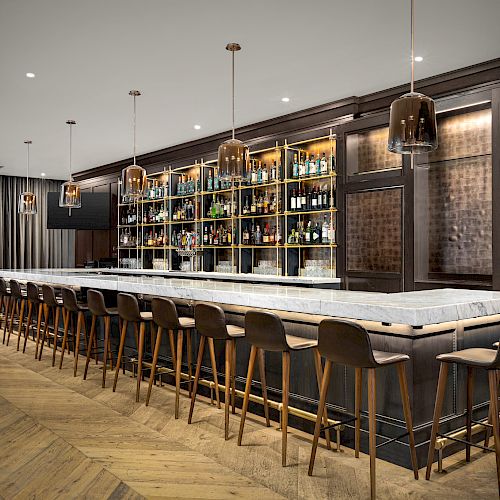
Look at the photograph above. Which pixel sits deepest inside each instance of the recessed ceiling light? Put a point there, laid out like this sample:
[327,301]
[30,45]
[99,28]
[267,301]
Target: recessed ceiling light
[30,75]
[419,58]
[43,174]
[285,99]
[197,127]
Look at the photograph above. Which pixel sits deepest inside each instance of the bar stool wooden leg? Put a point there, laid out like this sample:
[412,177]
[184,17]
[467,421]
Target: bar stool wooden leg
[21,318]
[199,360]
[28,325]
[233,377]
[325,383]
[372,415]
[284,411]
[358,382]
[65,337]
[263,383]
[7,305]
[178,367]
[155,361]
[142,332]
[493,384]
[172,346]
[46,315]
[248,385]
[12,314]
[79,321]
[89,346]
[56,330]
[38,328]
[227,383]
[72,329]
[123,335]
[107,329]
[490,421]
[319,375]
[441,389]
[468,423]
[211,349]
[189,360]
[405,398]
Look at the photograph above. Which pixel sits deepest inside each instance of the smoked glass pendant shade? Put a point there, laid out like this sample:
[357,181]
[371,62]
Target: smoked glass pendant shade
[27,204]
[70,195]
[133,182]
[412,127]
[233,158]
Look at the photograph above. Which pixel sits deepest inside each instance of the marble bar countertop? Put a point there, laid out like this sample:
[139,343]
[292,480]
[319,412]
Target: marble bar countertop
[244,277]
[409,308]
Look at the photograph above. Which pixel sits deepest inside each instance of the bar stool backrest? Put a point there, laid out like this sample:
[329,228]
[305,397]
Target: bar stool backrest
[3,287]
[265,330]
[95,301]
[165,313]
[49,296]
[15,289]
[33,292]
[345,343]
[128,307]
[70,301]
[496,363]
[210,321]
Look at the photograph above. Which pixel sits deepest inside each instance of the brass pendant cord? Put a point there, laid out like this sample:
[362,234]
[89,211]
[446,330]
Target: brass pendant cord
[28,166]
[232,57]
[71,123]
[134,95]
[412,20]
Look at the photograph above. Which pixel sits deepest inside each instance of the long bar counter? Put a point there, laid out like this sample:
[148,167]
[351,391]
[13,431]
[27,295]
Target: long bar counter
[421,324]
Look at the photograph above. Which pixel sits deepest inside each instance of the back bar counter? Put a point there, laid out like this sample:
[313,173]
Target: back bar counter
[421,324]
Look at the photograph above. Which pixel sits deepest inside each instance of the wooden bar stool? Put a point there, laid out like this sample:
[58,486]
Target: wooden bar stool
[159,306]
[210,322]
[52,309]
[98,309]
[265,332]
[349,344]
[129,312]
[472,359]
[35,301]
[73,307]
[5,299]
[165,317]
[18,300]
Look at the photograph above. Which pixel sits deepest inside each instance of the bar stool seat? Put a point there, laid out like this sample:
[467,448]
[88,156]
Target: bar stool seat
[235,331]
[389,358]
[186,322]
[475,356]
[298,343]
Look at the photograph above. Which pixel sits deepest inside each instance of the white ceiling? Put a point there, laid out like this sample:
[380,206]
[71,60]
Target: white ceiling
[87,55]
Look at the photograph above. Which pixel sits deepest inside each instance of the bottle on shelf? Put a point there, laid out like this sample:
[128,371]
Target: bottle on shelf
[210,181]
[265,175]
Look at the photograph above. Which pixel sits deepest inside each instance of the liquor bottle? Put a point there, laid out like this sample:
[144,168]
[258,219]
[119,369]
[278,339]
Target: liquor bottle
[272,236]
[312,165]
[293,200]
[324,165]
[260,205]
[314,199]
[325,236]
[274,173]
[295,167]
[265,204]
[292,237]
[246,206]
[272,204]
[265,235]
[216,179]
[316,234]
[307,166]
[303,200]
[318,165]
[246,236]
[265,175]
[213,209]
[229,236]
[205,236]
[254,175]
[253,206]
[309,200]
[331,235]
[258,235]
[210,181]
[308,232]
[298,201]
[259,173]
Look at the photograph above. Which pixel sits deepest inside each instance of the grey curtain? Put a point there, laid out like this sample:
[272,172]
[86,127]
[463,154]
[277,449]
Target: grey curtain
[25,241]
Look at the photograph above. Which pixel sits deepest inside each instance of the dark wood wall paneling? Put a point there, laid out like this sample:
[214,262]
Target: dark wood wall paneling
[347,116]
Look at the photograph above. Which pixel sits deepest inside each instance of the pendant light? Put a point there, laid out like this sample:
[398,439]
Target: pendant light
[69,194]
[412,127]
[133,177]
[27,200]
[233,154]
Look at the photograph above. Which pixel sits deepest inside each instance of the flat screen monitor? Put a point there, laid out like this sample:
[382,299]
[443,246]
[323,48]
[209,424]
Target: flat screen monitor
[95,212]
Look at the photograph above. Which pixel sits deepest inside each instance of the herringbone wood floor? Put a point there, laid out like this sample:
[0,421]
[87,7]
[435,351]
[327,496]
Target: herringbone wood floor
[62,437]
